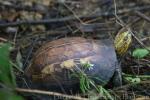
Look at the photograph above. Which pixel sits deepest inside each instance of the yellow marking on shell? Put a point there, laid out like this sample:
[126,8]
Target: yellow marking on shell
[48,69]
[68,64]
[84,60]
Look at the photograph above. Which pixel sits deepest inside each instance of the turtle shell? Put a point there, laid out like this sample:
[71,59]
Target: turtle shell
[54,62]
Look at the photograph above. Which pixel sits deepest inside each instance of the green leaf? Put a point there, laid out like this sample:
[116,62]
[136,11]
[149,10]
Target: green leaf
[9,95]
[19,60]
[104,93]
[108,94]
[6,71]
[140,53]
[135,80]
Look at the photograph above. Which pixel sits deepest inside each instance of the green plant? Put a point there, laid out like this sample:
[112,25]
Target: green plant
[7,76]
[140,53]
[87,83]
[134,79]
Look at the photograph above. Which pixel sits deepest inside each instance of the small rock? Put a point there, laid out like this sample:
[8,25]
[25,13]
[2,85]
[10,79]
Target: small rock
[11,30]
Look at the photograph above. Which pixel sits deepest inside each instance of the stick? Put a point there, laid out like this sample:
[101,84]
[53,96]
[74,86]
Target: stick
[50,93]
[2,39]
[143,16]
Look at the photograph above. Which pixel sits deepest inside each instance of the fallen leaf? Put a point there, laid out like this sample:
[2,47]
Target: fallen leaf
[140,53]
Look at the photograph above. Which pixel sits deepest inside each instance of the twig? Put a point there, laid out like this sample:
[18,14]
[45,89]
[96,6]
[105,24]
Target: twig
[139,76]
[50,93]
[75,15]
[143,16]
[15,36]
[129,85]
[29,53]
[5,40]
[2,39]
[15,66]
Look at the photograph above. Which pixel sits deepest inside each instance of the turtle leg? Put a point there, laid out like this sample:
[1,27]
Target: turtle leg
[117,79]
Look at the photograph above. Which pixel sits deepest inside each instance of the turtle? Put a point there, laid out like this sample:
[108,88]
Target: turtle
[54,62]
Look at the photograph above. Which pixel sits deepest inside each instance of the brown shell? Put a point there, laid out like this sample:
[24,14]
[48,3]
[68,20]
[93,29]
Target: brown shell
[54,61]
